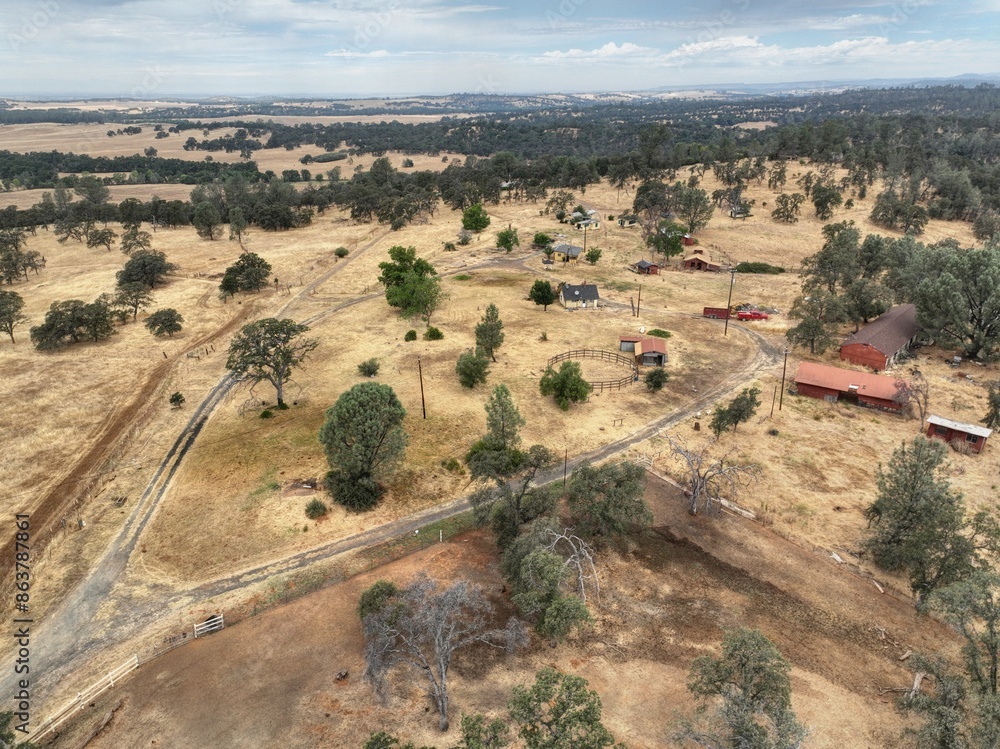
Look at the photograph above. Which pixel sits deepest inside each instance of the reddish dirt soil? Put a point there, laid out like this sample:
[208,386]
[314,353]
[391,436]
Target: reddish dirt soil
[268,681]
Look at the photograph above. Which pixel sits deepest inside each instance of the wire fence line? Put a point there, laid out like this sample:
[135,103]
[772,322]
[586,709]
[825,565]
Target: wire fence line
[599,386]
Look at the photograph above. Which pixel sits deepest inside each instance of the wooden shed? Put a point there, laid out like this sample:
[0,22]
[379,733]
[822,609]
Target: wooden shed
[879,344]
[698,260]
[647,268]
[648,352]
[972,436]
[833,384]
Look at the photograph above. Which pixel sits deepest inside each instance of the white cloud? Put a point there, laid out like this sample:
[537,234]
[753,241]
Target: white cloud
[609,50]
[353,53]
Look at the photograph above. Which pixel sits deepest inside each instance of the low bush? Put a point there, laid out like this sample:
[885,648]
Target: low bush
[316,508]
[267,413]
[659,333]
[433,334]
[759,268]
[411,335]
[368,368]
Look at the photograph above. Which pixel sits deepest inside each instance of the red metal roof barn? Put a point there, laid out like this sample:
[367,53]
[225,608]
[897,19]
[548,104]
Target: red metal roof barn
[833,384]
[879,343]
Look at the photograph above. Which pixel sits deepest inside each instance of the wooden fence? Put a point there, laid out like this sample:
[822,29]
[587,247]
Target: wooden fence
[84,698]
[600,386]
[212,624]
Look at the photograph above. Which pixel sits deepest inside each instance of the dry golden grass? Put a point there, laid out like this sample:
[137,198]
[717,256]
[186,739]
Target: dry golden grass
[824,457]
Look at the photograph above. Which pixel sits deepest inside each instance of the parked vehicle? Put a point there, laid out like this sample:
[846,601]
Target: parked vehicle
[716,313]
[751,314]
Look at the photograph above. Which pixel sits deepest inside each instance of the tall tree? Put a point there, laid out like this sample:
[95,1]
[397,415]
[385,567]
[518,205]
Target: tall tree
[818,315]
[691,205]
[11,305]
[489,331]
[512,498]
[147,267]
[567,385]
[559,712]
[475,218]
[207,220]
[364,441]
[164,321]
[423,627]
[507,239]
[607,501]
[918,521]
[250,272]
[269,350]
[750,682]
[133,296]
[542,293]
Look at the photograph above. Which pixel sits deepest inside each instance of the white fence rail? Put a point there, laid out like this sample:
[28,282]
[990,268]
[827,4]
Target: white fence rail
[83,698]
[212,624]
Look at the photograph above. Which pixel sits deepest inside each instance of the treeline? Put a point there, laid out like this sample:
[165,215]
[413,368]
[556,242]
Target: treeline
[41,169]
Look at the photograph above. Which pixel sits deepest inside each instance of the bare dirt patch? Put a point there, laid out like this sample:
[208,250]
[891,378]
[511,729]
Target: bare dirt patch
[665,601]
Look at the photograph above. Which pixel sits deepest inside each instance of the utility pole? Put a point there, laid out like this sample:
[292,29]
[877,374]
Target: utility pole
[420,372]
[729,304]
[639,301]
[784,366]
[565,466]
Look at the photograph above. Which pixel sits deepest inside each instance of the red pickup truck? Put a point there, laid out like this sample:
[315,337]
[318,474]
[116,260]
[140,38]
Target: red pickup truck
[751,314]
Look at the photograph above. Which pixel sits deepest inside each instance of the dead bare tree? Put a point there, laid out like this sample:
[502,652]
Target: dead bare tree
[710,481]
[424,628]
[578,556]
[914,395]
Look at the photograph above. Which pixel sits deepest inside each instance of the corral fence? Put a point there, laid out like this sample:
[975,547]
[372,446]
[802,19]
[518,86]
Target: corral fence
[600,386]
[83,699]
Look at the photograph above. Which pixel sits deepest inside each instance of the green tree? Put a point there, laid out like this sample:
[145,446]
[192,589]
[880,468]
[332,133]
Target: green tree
[655,379]
[957,295]
[593,255]
[972,607]
[238,225]
[497,455]
[825,199]
[472,367]
[147,267]
[567,385]
[992,418]
[11,305]
[541,239]
[364,441]
[134,240]
[750,684]
[608,501]
[787,208]
[207,221]
[667,239]
[542,293]
[836,265]
[559,712]
[744,406]
[512,499]
[269,350]
[818,315]
[691,205]
[722,419]
[475,218]
[480,733]
[71,322]
[101,238]
[162,321]
[411,283]
[133,296]
[918,521]
[489,332]
[250,272]
[507,239]
[8,738]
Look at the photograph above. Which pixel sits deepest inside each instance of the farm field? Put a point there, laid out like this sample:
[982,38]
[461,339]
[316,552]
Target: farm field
[94,420]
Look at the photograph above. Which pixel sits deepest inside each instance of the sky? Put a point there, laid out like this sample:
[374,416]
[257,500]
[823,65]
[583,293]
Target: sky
[355,48]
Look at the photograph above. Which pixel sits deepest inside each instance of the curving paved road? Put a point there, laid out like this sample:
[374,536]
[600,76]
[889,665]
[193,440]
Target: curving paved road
[70,636]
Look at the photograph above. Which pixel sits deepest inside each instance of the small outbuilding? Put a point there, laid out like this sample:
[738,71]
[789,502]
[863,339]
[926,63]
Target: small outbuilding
[588,223]
[579,297]
[971,436]
[646,268]
[833,384]
[648,352]
[698,260]
[879,344]
[627,221]
[566,253]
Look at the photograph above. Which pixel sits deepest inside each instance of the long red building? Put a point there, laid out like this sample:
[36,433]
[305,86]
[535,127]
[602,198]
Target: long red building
[833,384]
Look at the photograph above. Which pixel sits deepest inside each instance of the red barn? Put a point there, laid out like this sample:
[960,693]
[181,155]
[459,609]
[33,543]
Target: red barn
[698,260]
[646,268]
[972,436]
[833,384]
[879,343]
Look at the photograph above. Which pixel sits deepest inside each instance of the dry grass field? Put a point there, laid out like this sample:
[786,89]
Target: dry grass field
[234,496]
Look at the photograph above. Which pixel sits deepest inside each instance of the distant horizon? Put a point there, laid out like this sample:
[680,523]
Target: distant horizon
[148,49]
[69,97]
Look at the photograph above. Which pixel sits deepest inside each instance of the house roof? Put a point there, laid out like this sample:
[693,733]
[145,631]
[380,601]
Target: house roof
[703,258]
[888,333]
[654,345]
[570,250]
[958,426]
[632,338]
[582,293]
[644,264]
[847,380]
